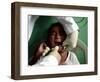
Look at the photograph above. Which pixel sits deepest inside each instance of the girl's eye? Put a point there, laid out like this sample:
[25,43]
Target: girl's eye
[53,33]
[61,34]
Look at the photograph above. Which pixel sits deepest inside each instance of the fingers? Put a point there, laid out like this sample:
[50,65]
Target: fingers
[44,45]
[61,49]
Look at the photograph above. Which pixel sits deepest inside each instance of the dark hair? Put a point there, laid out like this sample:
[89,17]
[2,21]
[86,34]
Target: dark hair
[59,25]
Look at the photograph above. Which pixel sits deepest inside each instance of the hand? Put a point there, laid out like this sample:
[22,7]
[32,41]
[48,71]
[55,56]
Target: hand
[63,54]
[61,49]
[41,48]
[38,53]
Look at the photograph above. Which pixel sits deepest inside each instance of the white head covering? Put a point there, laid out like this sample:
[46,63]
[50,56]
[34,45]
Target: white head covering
[68,23]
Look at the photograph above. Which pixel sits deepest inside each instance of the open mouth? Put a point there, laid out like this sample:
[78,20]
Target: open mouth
[58,43]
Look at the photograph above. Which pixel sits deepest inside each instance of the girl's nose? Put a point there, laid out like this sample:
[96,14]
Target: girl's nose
[58,38]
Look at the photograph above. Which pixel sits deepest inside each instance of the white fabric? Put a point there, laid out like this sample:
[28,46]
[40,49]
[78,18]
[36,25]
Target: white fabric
[47,61]
[52,60]
[68,23]
[71,40]
[71,59]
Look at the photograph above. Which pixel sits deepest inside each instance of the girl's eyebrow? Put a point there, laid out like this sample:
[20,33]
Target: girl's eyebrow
[52,32]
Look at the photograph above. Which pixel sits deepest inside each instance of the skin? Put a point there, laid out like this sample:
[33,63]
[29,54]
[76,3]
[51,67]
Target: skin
[56,36]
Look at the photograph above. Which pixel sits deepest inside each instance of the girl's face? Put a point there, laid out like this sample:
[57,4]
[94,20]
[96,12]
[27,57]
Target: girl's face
[56,36]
